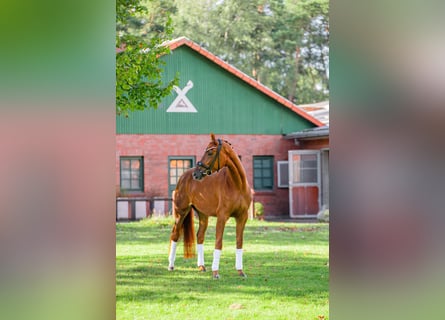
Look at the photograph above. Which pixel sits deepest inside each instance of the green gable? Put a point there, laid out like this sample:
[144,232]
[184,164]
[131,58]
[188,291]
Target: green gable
[224,103]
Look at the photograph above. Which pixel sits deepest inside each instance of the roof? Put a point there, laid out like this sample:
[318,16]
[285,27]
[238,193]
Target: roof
[311,133]
[183,41]
[319,111]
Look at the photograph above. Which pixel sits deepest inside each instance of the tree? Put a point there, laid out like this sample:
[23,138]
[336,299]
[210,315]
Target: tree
[282,44]
[236,31]
[139,82]
[302,37]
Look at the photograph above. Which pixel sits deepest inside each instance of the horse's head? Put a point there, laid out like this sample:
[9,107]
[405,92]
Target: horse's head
[212,160]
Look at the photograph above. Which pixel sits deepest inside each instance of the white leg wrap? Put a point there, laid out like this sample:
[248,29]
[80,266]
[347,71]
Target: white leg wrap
[200,248]
[172,256]
[216,256]
[239,259]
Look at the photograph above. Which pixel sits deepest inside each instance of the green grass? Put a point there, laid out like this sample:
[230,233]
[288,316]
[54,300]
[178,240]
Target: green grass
[286,264]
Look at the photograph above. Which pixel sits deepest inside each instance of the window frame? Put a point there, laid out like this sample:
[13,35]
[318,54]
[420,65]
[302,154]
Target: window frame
[280,183]
[170,158]
[262,177]
[298,174]
[141,174]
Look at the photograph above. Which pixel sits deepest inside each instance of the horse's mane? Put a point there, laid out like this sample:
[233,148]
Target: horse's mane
[233,157]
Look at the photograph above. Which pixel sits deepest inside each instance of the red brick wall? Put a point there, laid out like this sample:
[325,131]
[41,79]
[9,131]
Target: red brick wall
[156,148]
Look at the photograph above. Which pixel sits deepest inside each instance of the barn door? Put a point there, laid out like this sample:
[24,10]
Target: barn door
[304,183]
[325,178]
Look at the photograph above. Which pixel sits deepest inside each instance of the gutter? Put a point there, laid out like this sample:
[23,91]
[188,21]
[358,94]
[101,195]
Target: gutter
[312,133]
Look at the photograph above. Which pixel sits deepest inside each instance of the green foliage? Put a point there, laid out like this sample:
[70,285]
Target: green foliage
[139,83]
[323,215]
[286,265]
[259,209]
[282,44]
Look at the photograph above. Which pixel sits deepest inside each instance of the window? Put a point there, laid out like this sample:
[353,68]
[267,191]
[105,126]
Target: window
[177,166]
[283,174]
[263,172]
[305,168]
[132,173]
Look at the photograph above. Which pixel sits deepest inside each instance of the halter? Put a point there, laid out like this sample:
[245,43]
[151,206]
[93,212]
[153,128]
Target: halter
[198,174]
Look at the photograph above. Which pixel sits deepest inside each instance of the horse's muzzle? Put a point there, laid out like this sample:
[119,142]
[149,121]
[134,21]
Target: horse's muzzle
[198,174]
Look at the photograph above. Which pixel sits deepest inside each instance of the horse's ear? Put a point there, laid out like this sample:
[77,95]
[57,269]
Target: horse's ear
[212,137]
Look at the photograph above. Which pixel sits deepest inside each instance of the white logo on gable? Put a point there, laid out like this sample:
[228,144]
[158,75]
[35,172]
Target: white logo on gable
[182,103]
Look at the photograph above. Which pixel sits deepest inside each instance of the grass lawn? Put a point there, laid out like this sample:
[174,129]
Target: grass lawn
[286,264]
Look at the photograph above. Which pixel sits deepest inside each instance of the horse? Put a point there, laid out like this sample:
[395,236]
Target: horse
[216,187]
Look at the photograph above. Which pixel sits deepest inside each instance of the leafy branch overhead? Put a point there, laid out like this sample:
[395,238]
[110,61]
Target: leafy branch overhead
[139,83]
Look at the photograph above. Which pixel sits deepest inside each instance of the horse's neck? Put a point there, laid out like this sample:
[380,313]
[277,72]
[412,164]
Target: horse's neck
[239,175]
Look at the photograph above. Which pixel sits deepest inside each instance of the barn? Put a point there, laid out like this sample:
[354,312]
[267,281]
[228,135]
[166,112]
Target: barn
[269,133]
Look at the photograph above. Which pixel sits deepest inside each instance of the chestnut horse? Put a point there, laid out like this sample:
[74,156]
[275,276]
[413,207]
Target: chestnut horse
[217,187]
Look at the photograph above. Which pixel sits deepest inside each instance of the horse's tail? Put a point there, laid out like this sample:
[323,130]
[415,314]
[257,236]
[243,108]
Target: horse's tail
[189,236]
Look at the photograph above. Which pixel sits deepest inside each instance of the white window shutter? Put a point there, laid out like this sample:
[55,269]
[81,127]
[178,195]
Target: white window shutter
[283,174]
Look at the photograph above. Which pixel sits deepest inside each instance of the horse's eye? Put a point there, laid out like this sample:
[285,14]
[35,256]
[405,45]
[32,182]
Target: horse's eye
[209,153]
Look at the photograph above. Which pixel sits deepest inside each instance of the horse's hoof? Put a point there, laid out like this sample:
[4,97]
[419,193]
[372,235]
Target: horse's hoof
[202,269]
[242,274]
[171,268]
[215,275]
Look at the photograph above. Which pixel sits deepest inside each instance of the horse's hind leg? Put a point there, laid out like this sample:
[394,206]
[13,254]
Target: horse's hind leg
[203,223]
[240,225]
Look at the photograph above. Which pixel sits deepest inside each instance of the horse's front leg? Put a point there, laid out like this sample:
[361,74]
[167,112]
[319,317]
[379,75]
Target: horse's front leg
[203,223]
[240,225]
[220,225]
[174,237]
